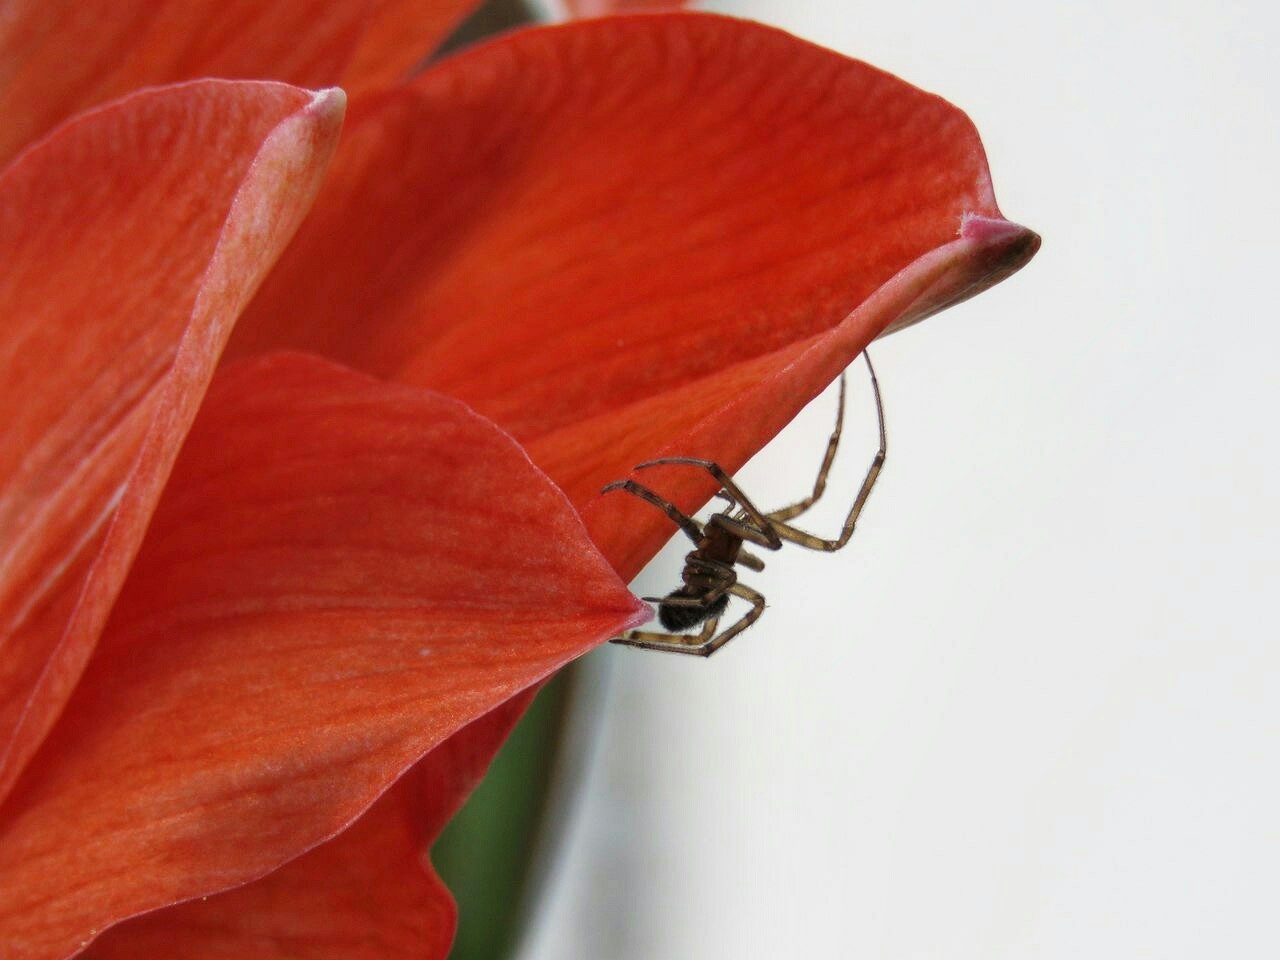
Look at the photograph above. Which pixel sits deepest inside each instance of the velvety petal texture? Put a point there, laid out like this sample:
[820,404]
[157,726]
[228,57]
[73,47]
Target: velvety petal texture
[615,237]
[130,241]
[342,574]
[58,57]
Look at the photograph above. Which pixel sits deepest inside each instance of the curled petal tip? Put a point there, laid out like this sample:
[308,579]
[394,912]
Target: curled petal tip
[998,249]
[1002,239]
[329,98]
[327,110]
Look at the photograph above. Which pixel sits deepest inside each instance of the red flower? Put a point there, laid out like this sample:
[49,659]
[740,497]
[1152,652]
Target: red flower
[614,239]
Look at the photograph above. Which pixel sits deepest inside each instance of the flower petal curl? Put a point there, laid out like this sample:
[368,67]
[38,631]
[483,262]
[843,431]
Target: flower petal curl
[725,414]
[131,240]
[342,574]
[605,234]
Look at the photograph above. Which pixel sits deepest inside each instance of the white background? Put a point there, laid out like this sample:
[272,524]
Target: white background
[1034,709]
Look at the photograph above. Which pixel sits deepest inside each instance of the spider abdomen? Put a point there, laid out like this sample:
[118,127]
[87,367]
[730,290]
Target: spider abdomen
[682,616]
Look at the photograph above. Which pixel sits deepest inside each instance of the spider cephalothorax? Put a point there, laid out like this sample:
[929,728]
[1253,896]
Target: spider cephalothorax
[710,575]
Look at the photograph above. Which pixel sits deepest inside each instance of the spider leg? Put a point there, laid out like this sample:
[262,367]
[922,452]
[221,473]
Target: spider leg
[790,533]
[751,616]
[687,524]
[673,642]
[677,601]
[820,484]
[762,535]
[767,538]
[704,643]
[750,560]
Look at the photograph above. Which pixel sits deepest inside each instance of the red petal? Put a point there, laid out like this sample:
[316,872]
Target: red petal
[613,228]
[728,415]
[367,894]
[130,241]
[398,36]
[342,574]
[62,56]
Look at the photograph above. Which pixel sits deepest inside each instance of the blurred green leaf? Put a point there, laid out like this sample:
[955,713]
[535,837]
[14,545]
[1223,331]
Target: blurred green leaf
[485,853]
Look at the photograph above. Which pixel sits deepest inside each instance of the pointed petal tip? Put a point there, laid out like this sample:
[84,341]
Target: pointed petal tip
[407,480]
[329,100]
[325,114]
[1002,241]
[641,614]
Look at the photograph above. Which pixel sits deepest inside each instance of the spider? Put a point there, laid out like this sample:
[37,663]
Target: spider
[709,575]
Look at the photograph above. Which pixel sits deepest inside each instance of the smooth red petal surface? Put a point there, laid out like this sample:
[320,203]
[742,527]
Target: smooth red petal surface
[367,894]
[130,242]
[341,574]
[577,227]
[58,57]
